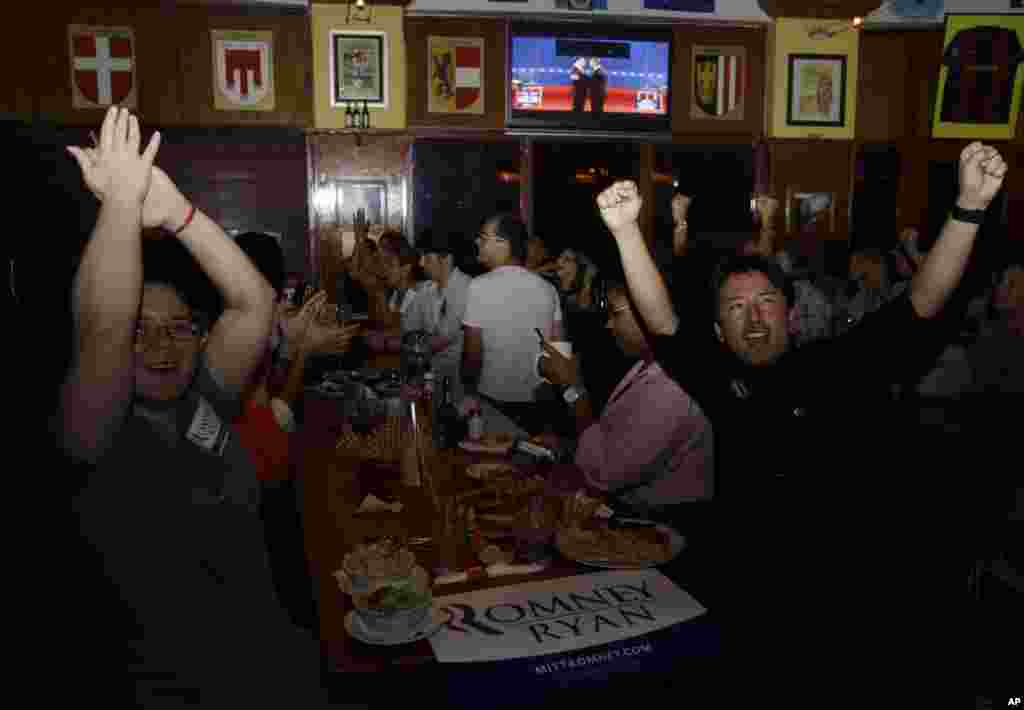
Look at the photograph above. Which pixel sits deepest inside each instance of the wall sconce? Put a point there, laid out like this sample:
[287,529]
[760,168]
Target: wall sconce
[358,11]
[830,31]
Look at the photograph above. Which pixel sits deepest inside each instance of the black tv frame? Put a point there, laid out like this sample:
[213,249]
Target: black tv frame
[569,122]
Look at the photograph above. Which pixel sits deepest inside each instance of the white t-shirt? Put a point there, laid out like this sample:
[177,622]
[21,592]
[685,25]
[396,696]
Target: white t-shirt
[507,304]
[441,312]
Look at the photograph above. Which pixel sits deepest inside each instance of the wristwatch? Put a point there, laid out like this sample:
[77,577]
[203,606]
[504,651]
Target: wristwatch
[573,394]
[970,216]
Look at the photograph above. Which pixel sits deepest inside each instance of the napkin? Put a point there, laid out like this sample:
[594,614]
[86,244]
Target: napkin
[373,504]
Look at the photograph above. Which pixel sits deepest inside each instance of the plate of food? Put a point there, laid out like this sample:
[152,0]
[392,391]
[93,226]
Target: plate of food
[491,443]
[491,471]
[626,543]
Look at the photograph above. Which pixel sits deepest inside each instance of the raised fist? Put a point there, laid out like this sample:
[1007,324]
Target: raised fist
[620,205]
[981,175]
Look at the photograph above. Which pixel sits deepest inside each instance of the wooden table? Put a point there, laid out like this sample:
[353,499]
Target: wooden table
[331,491]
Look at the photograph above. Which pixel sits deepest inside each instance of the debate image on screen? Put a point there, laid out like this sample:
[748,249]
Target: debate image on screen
[585,75]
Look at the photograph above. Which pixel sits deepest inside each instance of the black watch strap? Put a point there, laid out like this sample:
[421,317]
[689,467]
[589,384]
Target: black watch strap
[970,216]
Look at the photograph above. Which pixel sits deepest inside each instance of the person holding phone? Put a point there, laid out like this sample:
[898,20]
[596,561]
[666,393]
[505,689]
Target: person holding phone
[650,447]
[503,309]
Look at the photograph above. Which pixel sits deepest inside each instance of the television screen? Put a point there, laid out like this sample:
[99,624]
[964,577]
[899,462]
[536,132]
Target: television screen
[589,79]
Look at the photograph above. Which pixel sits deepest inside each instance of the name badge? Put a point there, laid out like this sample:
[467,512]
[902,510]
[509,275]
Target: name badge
[207,430]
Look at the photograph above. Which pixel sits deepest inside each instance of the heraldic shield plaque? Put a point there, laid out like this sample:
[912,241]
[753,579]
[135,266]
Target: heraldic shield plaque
[102,67]
[719,82]
[243,70]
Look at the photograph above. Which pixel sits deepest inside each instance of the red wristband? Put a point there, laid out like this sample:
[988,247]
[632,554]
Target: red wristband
[188,220]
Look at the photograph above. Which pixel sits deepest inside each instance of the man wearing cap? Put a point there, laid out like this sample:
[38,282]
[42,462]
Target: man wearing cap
[440,307]
[504,310]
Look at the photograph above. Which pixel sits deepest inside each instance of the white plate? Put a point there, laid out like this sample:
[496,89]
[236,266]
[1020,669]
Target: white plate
[491,471]
[676,543]
[357,630]
[481,448]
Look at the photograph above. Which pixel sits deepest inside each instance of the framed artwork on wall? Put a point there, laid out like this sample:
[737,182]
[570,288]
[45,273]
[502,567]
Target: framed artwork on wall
[359,68]
[981,82]
[816,90]
[810,213]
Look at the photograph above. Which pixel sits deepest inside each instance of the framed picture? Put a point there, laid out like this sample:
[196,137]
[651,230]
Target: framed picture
[359,68]
[810,213]
[370,196]
[980,83]
[816,92]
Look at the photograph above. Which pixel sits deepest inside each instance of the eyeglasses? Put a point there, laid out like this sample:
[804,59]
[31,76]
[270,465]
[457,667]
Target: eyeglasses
[485,237]
[181,330]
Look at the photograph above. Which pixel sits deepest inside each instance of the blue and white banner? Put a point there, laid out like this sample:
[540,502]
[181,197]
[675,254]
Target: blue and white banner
[560,617]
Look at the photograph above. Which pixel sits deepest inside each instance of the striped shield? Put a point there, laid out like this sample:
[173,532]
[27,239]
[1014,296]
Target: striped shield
[719,82]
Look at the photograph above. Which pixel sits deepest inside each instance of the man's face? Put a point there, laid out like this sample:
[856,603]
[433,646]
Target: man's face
[167,345]
[753,318]
[435,265]
[493,251]
[622,323]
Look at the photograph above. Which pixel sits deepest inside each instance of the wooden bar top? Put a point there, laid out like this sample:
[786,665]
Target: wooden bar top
[332,488]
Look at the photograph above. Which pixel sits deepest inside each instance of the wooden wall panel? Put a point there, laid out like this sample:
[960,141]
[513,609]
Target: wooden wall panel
[417,30]
[881,94]
[293,104]
[174,65]
[814,166]
[753,40]
[922,79]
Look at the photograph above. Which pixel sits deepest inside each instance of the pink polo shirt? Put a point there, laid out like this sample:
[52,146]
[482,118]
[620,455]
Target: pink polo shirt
[651,437]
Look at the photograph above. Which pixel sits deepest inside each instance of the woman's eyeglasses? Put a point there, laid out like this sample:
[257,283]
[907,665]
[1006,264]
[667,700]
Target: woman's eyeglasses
[177,331]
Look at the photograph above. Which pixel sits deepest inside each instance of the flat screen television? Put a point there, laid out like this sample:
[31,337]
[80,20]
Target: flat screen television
[589,78]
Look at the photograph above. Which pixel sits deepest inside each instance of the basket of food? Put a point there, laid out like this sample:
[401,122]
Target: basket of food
[390,592]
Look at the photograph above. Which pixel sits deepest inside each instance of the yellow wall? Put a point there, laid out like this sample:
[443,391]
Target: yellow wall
[790,36]
[332,17]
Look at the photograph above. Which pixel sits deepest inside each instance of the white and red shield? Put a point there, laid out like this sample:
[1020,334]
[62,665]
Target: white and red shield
[456,74]
[102,66]
[243,68]
[468,64]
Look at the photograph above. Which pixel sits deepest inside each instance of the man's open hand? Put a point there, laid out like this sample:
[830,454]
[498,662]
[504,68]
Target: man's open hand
[114,170]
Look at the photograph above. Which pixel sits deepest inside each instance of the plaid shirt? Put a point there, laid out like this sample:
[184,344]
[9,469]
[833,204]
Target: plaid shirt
[813,313]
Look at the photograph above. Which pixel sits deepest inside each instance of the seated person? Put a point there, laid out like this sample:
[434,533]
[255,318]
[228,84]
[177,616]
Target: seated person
[399,269]
[539,257]
[440,308]
[651,446]
[576,276]
[299,333]
[869,286]
[171,499]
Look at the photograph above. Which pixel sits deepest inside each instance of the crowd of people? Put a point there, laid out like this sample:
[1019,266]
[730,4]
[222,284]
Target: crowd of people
[754,383]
